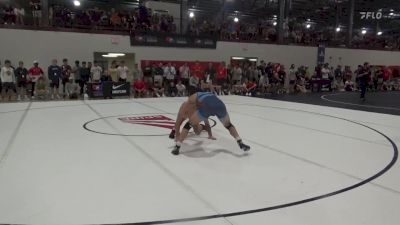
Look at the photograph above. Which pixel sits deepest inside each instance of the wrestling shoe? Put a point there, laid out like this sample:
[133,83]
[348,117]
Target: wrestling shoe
[176,150]
[243,146]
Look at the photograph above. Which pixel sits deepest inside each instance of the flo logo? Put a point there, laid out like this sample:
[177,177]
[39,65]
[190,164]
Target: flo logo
[371,15]
[155,121]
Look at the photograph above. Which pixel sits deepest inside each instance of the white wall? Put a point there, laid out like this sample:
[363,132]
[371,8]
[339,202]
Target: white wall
[43,46]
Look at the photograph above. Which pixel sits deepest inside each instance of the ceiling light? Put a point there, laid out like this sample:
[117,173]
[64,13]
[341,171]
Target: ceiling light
[253,60]
[308,26]
[77,3]
[391,14]
[338,29]
[236,19]
[364,31]
[237,58]
[116,54]
[109,56]
[274,23]
[379,33]
[191,14]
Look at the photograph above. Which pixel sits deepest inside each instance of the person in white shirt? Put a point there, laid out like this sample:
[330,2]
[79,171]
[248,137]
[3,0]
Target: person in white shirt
[237,75]
[181,89]
[96,71]
[184,73]
[19,14]
[122,72]
[8,80]
[170,76]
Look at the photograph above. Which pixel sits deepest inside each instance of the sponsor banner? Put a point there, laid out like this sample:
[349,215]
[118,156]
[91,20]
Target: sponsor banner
[172,40]
[108,89]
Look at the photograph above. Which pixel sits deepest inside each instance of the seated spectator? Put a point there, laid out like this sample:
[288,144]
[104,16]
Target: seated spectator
[181,89]
[349,85]
[158,88]
[225,89]
[250,87]
[41,89]
[73,89]
[8,81]
[139,88]
[300,86]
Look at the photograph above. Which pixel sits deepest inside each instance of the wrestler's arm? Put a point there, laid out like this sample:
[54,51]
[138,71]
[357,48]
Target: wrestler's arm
[207,127]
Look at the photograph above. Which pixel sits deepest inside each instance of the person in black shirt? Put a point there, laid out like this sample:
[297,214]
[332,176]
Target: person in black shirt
[55,74]
[85,75]
[363,75]
[21,74]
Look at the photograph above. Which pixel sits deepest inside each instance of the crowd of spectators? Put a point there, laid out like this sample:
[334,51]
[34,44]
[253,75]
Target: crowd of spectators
[143,19]
[63,81]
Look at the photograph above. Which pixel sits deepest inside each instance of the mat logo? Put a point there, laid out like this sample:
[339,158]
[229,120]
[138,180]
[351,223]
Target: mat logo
[155,121]
[371,15]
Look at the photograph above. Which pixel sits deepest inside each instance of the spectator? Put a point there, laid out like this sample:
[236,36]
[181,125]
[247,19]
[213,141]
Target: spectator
[184,73]
[8,80]
[170,76]
[300,85]
[181,89]
[72,89]
[222,74]
[113,71]
[20,14]
[84,77]
[349,85]
[66,74]
[237,74]
[338,81]
[207,83]
[348,74]
[54,74]
[9,17]
[21,74]
[158,87]
[193,84]
[34,74]
[137,73]
[76,74]
[36,12]
[292,78]
[41,88]
[148,73]
[96,72]
[250,87]
[139,88]
[197,70]
[123,72]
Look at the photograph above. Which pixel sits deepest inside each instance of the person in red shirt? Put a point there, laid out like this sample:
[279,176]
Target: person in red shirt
[33,75]
[222,74]
[139,87]
[198,71]
[250,87]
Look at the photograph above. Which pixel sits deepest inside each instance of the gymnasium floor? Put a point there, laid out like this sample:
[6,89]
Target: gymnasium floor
[109,162]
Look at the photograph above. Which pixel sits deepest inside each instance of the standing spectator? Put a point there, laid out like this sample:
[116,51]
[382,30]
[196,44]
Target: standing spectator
[170,76]
[96,72]
[85,75]
[54,74]
[66,72]
[197,70]
[338,81]
[76,74]
[8,80]
[19,13]
[184,73]
[33,75]
[292,78]
[193,85]
[123,71]
[363,77]
[158,87]
[113,71]
[147,73]
[21,74]
[36,12]
[138,73]
[237,75]
[222,74]
[9,17]
[207,83]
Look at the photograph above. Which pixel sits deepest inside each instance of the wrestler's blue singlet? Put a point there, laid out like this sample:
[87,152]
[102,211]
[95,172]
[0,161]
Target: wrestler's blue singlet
[210,105]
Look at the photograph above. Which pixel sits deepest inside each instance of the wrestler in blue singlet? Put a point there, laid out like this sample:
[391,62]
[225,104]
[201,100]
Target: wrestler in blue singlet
[210,105]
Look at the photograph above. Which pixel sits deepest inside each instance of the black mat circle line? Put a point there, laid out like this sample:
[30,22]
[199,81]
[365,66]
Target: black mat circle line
[295,203]
[85,126]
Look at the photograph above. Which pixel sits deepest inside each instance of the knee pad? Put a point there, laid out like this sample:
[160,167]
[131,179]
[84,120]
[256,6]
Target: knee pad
[229,126]
[187,126]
